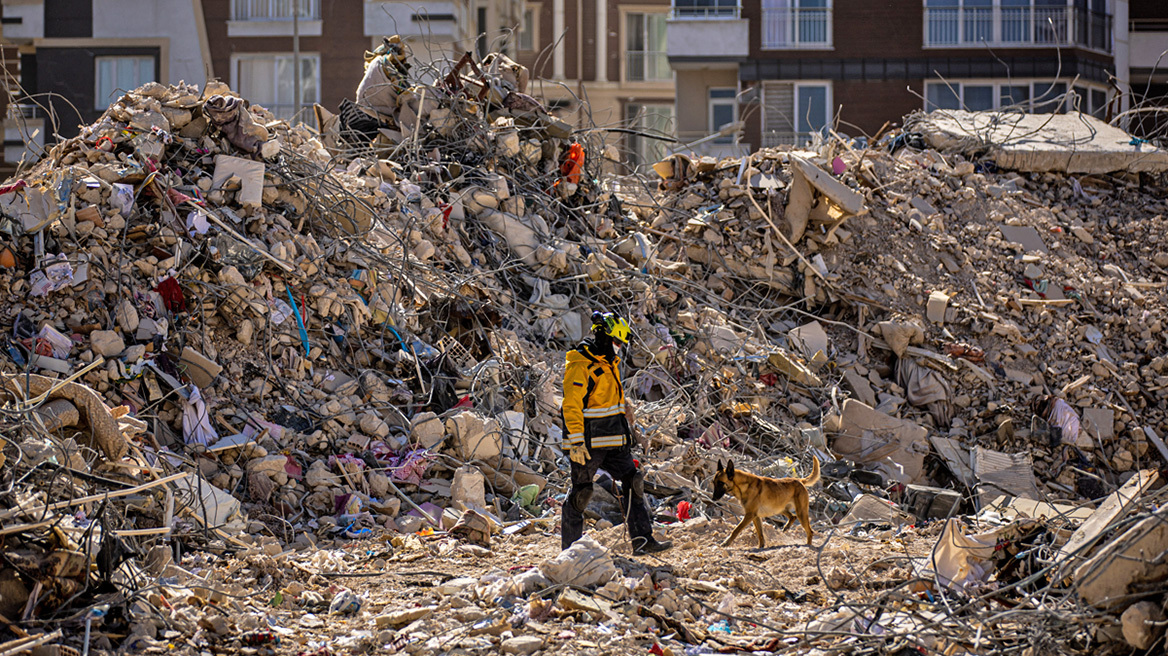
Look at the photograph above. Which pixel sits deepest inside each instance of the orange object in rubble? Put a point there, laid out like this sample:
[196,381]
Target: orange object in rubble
[573,163]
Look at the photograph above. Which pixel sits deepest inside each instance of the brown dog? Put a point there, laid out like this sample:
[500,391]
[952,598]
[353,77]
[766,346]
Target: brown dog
[763,497]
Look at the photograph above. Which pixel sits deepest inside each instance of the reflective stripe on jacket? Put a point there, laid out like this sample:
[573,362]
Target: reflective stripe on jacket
[594,400]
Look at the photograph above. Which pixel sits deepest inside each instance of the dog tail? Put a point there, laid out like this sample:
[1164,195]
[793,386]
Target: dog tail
[814,477]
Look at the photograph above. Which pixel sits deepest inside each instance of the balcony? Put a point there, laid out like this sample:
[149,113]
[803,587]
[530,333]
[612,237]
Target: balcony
[1017,27]
[796,28]
[705,29]
[273,18]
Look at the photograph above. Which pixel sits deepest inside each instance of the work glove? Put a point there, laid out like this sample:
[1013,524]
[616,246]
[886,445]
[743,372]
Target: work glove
[579,454]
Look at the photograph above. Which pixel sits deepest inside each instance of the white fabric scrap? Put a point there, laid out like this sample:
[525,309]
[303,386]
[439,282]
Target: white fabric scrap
[197,427]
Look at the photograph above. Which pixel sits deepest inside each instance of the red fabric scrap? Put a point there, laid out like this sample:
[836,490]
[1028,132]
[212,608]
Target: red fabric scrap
[15,186]
[172,295]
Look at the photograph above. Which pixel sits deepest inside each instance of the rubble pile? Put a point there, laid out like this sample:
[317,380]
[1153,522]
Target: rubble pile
[253,367]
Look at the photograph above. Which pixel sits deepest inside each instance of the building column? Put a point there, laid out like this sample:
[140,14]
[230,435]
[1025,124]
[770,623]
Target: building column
[1121,46]
[602,40]
[557,39]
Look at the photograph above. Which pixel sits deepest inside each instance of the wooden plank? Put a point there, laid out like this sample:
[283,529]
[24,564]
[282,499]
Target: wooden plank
[1112,508]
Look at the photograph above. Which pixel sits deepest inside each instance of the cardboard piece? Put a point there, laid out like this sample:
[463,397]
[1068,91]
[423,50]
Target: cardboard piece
[868,435]
[1000,473]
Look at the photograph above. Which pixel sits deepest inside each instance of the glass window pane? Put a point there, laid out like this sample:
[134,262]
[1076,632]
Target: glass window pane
[1014,95]
[1048,97]
[979,98]
[145,71]
[721,114]
[1098,103]
[939,95]
[812,108]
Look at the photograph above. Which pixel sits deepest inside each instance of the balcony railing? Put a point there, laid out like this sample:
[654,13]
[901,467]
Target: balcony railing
[273,10]
[796,27]
[706,10]
[647,66]
[1017,26]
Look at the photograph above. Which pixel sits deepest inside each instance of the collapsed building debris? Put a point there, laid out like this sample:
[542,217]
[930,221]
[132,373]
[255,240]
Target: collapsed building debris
[250,361]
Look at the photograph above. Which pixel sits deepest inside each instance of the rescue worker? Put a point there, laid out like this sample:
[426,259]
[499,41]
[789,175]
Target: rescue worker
[598,427]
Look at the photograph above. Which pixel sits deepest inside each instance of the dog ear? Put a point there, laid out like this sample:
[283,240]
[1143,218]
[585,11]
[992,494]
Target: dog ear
[730,469]
[721,466]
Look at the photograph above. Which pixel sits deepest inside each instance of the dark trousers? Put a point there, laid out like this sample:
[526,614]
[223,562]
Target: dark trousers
[617,461]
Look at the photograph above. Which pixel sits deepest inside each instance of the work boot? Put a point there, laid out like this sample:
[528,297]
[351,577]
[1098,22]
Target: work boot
[649,545]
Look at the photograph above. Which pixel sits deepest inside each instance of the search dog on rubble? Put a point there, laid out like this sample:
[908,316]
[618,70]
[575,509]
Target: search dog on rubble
[764,497]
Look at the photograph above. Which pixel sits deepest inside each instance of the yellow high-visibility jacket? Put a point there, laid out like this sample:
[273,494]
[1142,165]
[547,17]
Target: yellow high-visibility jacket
[594,400]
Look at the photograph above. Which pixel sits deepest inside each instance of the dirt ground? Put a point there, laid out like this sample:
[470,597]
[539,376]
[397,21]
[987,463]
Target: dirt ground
[768,593]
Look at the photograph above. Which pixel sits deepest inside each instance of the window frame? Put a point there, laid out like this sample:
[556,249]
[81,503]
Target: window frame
[625,13]
[712,102]
[829,115]
[631,140]
[529,31]
[793,9]
[1034,25]
[102,104]
[305,101]
[1030,84]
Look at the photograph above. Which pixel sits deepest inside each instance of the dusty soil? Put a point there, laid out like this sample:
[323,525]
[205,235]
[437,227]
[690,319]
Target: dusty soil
[773,591]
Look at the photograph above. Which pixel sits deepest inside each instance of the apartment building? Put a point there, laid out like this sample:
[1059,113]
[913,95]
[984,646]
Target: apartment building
[71,57]
[789,68]
[610,53]
[1148,65]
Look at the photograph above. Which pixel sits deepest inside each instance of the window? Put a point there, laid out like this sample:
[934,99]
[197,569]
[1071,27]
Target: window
[119,74]
[1049,97]
[1098,105]
[812,114]
[1013,94]
[648,118]
[796,24]
[645,48]
[794,112]
[281,10]
[1018,23]
[527,31]
[1038,97]
[268,81]
[706,9]
[978,97]
[723,110]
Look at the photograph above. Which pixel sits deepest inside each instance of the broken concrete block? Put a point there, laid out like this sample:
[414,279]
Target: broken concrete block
[107,343]
[268,464]
[799,201]
[935,309]
[250,174]
[522,645]
[201,369]
[468,487]
[584,563]
[1133,558]
[1143,624]
[847,199]
[475,437]
[860,387]
[1099,422]
[426,430]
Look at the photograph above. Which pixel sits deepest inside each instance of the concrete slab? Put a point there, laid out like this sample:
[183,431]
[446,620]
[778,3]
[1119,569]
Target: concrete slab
[1063,143]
